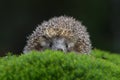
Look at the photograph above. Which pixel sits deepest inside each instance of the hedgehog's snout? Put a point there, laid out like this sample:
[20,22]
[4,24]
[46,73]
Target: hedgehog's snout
[59,44]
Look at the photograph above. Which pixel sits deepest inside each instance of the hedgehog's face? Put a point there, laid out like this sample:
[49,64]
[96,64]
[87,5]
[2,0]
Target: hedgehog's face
[58,38]
[58,43]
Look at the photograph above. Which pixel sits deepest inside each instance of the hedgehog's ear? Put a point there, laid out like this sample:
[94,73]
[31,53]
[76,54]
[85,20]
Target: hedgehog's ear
[44,37]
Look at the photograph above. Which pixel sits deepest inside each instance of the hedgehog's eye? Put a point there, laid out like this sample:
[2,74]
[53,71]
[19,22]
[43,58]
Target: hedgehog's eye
[50,45]
[66,44]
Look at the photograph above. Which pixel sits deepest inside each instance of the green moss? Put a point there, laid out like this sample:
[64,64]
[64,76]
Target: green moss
[55,65]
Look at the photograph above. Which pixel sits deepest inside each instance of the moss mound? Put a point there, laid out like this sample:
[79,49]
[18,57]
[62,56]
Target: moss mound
[55,65]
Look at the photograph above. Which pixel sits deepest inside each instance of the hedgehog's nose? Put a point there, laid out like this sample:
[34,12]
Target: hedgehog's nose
[60,49]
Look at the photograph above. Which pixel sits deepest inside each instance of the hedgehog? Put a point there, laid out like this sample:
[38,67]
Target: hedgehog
[60,33]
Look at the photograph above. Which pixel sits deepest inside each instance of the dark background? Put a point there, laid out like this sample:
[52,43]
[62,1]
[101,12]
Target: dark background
[18,18]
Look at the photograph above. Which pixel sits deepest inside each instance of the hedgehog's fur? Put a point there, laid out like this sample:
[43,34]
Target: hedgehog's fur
[71,31]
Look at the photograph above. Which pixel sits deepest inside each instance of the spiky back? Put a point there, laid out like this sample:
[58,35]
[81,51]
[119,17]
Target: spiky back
[62,26]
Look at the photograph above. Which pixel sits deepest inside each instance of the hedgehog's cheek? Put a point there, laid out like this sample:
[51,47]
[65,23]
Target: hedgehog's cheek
[71,44]
[44,44]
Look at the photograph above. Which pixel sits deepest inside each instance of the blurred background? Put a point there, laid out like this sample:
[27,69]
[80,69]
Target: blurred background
[18,18]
